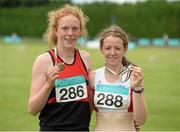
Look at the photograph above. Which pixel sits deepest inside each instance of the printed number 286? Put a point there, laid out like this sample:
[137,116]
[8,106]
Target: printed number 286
[71,93]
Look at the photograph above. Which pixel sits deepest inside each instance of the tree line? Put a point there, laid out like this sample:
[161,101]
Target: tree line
[143,19]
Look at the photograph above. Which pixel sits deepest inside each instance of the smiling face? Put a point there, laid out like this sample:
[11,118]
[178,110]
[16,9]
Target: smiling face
[68,30]
[113,50]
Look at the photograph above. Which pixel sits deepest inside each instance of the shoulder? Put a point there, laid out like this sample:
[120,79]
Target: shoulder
[92,73]
[92,78]
[84,54]
[86,59]
[95,74]
[43,60]
[100,70]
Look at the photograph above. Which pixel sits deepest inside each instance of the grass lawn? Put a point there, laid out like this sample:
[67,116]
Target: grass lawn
[162,75]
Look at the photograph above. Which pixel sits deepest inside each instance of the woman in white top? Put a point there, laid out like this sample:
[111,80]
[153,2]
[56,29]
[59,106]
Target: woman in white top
[118,86]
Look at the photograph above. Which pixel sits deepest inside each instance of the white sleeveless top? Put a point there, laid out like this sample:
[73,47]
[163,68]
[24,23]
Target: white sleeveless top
[112,97]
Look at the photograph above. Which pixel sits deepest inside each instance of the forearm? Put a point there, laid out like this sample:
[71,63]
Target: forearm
[139,108]
[38,101]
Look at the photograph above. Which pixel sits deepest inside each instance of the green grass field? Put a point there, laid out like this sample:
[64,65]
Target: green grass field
[162,84]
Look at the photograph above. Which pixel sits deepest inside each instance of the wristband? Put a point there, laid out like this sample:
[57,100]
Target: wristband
[138,89]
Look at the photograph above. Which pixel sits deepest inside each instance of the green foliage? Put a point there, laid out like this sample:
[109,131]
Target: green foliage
[9,3]
[16,3]
[147,19]
[144,19]
[23,21]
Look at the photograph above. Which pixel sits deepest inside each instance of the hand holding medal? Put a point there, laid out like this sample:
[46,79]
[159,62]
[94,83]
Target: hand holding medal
[52,75]
[61,65]
[137,76]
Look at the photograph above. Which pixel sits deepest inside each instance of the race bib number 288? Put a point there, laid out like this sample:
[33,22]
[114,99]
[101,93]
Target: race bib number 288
[70,89]
[113,97]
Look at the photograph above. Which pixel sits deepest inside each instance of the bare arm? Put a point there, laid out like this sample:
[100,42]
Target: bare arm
[139,104]
[92,78]
[87,60]
[91,74]
[92,83]
[43,76]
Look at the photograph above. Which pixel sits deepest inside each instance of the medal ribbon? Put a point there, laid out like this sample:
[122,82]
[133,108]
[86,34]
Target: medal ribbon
[123,71]
[61,65]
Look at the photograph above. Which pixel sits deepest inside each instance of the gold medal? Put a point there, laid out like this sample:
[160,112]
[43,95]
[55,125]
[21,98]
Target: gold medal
[61,66]
[66,59]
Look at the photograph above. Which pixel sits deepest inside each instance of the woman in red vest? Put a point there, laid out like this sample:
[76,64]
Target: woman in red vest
[59,87]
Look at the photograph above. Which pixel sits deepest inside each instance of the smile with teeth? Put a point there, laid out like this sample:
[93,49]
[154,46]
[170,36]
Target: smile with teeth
[70,39]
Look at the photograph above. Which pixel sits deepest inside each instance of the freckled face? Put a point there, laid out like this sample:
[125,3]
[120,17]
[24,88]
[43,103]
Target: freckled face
[68,30]
[113,50]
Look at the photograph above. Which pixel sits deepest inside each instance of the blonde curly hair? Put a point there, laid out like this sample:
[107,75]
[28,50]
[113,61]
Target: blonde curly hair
[55,15]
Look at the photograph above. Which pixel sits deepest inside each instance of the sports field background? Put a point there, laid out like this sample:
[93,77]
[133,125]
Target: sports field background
[162,84]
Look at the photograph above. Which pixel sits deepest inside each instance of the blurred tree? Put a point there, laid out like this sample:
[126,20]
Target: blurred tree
[143,19]
[9,3]
[16,3]
[33,2]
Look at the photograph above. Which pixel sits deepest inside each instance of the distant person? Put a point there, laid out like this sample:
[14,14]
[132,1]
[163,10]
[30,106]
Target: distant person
[14,36]
[59,87]
[166,39]
[12,39]
[118,86]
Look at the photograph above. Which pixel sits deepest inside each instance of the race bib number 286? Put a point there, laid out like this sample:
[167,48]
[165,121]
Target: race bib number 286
[70,89]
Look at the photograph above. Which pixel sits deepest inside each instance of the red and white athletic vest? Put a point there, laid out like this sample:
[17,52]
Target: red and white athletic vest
[112,97]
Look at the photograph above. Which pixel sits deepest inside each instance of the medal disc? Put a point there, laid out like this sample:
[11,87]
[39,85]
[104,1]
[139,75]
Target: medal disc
[61,67]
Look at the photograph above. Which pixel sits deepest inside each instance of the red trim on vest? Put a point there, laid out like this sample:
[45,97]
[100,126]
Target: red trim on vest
[77,68]
[51,100]
[93,105]
[130,109]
